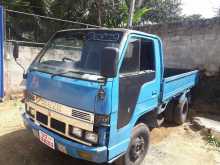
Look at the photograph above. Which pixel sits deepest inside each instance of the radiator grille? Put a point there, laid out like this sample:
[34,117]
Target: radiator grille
[58,125]
[63,109]
[81,115]
[42,118]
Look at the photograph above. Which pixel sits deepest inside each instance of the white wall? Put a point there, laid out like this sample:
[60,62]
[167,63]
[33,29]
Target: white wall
[190,44]
[13,74]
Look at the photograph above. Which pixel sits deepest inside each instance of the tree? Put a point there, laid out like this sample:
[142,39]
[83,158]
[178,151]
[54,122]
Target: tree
[23,27]
[118,16]
[151,11]
[99,7]
[37,7]
[112,13]
[108,13]
[162,11]
[193,17]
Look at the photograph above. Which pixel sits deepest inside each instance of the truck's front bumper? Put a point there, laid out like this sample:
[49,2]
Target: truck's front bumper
[76,150]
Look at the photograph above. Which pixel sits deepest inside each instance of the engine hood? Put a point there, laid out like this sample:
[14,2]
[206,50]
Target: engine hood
[76,93]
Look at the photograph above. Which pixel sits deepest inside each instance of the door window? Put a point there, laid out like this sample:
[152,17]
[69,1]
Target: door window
[139,56]
[131,61]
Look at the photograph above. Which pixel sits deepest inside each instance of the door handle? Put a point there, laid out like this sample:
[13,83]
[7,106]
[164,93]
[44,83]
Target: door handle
[154,93]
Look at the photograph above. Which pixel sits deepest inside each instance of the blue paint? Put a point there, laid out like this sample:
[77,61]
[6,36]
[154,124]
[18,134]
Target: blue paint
[99,153]
[176,84]
[1,52]
[145,103]
[82,94]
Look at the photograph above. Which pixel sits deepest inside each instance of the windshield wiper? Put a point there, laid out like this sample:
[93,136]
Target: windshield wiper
[69,71]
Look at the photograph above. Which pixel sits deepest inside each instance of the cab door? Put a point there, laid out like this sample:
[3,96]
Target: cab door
[139,82]
[136,90]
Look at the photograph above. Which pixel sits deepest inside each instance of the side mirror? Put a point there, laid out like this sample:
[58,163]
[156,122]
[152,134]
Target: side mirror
[16,51]
[16,55]
[109,61]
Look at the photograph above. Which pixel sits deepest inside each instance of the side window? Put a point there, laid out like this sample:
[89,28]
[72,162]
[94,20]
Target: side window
[139,56]
[131,61]
[147,56]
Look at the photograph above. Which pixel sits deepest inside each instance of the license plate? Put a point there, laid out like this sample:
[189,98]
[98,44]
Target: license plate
[46,139]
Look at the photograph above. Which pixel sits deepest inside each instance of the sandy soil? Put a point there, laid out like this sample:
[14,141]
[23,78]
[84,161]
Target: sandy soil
[180,145]
[10,119]
[169,145]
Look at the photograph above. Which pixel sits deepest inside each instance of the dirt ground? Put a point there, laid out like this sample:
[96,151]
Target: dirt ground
[181,145]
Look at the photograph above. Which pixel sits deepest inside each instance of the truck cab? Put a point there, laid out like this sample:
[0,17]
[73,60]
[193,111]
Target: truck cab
[95,93]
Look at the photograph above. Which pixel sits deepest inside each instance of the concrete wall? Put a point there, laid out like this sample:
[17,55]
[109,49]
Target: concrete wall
[13,74]
[194,44]
[186,44]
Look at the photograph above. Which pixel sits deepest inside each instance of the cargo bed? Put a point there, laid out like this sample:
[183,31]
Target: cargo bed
[176,81]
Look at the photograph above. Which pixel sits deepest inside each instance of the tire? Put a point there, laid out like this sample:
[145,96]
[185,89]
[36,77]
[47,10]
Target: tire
[160,119]
[181,112]
[169,112]
[138,146]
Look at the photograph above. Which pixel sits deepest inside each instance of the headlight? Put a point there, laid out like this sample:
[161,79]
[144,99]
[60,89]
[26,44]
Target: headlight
[91,137]
[75,131]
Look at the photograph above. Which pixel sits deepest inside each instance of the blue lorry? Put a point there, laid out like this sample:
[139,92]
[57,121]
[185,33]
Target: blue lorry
[95,94]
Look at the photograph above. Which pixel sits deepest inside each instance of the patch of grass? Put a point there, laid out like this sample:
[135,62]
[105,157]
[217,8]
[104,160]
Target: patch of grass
[213,142]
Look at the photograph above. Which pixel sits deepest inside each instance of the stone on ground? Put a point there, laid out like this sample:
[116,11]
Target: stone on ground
[211,125]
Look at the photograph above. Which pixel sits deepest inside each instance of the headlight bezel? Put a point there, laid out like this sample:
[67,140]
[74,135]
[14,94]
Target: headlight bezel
[85,135]
[92,134]
[71,128]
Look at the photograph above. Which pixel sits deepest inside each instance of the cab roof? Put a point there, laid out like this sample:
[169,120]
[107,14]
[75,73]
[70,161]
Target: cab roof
[125,31]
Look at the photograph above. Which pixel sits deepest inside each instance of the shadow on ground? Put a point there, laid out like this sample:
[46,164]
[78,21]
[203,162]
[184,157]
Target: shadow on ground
[22,148]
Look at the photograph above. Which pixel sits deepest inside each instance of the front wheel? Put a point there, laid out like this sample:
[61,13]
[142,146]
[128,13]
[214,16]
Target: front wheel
[138,146]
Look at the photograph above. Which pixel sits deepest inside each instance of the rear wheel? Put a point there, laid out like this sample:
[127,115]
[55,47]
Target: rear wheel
[138,146]
[181,112]
[160,119]
[169,112]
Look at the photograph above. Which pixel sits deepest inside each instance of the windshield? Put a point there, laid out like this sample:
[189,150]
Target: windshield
[76,50]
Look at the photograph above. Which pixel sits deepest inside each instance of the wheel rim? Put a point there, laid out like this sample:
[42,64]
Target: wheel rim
[137,149]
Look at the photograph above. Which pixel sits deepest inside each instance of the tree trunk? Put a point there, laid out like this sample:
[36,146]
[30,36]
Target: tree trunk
[99,11]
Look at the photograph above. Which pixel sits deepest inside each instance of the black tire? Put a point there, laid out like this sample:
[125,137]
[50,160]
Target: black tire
[169,112]
[160,119]
[181,112]
[138,146]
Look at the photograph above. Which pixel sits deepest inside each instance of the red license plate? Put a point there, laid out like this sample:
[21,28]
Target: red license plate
[46,139]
